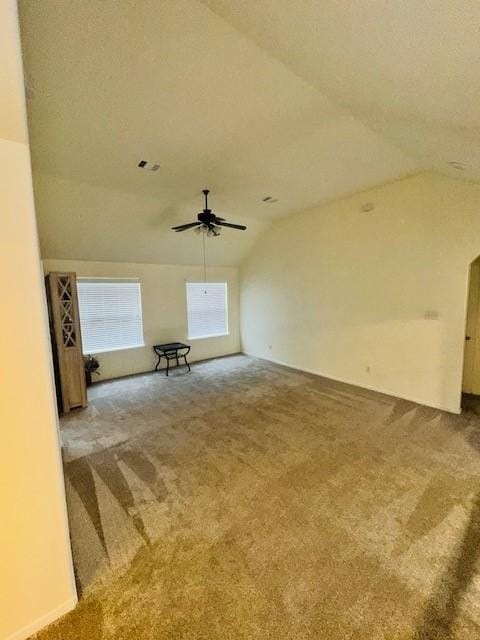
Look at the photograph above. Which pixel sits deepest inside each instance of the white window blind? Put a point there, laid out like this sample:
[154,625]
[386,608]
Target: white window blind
[207,309]
[110,314]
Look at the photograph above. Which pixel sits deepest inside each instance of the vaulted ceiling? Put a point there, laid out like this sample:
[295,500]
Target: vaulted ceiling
[301,100]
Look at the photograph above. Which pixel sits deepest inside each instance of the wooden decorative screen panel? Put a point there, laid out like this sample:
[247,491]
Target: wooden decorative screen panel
[66,340]
[65,303]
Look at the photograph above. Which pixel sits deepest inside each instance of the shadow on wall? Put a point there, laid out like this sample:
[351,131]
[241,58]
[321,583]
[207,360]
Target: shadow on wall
[443,607]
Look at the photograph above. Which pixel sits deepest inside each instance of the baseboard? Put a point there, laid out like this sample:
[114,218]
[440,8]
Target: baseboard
[456,410]
[43,621]
[172,367]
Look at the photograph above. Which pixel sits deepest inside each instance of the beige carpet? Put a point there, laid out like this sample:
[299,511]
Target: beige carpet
[250,501]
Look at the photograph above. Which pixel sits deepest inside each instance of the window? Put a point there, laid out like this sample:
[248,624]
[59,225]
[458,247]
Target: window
[207,309]
[110,314]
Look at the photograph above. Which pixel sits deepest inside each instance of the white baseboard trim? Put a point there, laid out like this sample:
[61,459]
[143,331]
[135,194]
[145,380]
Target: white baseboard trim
[172,367]
[456,410]
[43,621]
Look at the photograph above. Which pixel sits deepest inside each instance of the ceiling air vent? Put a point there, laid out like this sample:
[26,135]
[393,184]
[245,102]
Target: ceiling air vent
[367,207]
[149,166]
[269,199]
[459,166]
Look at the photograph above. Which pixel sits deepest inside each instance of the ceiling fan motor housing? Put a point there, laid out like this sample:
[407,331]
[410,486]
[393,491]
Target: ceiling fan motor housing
[207,217]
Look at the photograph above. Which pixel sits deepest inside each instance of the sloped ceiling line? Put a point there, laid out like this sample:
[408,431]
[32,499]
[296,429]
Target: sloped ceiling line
[304,101]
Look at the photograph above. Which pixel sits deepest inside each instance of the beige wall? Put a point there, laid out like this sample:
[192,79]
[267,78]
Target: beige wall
[36,579]
[164,310]
[377,299]
[75,217]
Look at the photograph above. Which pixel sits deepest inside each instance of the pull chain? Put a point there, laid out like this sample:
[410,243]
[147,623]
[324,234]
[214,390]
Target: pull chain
[204,262]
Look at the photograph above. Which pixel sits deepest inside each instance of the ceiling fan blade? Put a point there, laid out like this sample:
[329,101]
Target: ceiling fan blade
[233,226]
[184,227]
[219,219]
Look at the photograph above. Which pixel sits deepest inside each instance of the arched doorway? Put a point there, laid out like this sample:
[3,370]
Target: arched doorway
[471,360]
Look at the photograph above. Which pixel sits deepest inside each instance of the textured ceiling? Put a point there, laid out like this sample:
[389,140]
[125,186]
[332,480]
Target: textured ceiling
[409,70]
[306,101]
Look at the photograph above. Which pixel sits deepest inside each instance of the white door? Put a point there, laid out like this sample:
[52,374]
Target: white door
[471,362]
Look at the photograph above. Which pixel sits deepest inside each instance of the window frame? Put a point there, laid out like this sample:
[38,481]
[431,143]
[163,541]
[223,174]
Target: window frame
[212,335]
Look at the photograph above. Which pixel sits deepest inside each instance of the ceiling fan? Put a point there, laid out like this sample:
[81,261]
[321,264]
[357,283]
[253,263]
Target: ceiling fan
[208,222]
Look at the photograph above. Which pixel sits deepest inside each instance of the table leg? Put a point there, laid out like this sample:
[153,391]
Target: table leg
[186,361]
[168,365]
[158,363]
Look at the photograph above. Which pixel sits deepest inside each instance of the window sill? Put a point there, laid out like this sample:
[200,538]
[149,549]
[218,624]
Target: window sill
[213,335]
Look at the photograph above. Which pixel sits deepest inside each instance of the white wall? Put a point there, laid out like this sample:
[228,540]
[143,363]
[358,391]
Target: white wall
[350,295]
[75,217]
[36,578]
[164,310]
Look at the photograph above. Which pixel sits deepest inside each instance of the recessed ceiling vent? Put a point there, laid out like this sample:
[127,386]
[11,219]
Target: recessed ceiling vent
[459,166]
[367,207]
[269,199]
[149,166]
